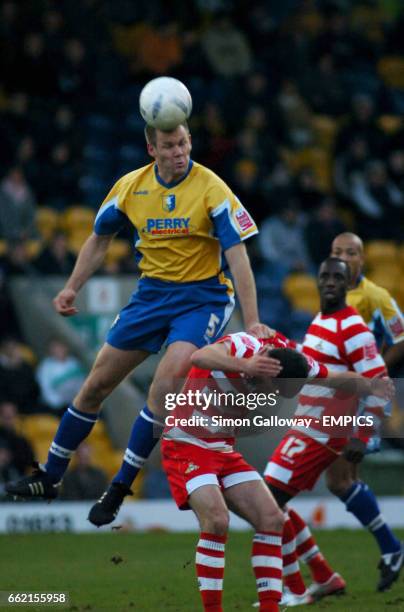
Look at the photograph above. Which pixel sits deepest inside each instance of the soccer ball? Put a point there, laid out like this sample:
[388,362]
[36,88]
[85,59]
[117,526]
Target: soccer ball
[165,103]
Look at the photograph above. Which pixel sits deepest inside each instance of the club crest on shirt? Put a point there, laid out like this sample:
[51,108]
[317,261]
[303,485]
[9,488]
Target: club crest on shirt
[168,202]
[370,351]
[191,468]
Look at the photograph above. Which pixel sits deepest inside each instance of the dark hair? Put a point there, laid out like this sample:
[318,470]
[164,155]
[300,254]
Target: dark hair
[295,369]
[294,364]
[150,132]
[338,260]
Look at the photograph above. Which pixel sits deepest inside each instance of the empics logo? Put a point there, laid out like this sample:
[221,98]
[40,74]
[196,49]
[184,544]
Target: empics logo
[168,202]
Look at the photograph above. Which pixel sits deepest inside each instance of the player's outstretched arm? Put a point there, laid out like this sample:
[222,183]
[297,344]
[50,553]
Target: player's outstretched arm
[217,357]
[90,258]
[352,382]
[244,283]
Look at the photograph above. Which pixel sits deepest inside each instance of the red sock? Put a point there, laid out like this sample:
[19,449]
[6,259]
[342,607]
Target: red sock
[209,562]
[266,559]
[308,551]
[292,577]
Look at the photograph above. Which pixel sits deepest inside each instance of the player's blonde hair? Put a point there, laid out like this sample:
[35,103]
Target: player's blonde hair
[150,132]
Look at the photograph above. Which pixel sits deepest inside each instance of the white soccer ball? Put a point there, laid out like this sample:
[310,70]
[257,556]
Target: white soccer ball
[165,103]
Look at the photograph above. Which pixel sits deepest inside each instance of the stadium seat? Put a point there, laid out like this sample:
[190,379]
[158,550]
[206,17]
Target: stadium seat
[33,248]
[78,218]
[301,290]
[316,158]
[40,427]
[347,217]
[325,129]
[47,221]
[389,276]
[391,70]
[117,250]
[390,124]
[400,256]
[28,355]
[379,252]
[3,247]
[77,239]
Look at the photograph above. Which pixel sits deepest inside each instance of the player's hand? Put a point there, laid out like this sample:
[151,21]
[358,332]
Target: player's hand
[262,366]
[259,330]
[355,450]
[382,386]
[64,303]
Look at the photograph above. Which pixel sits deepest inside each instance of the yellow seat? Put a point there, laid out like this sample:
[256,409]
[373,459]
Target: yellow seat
[40,426]
[3,247]
[388,276]
[390,124]
[47,221]
[41,449]
[400,256]
[391,71]
[117,250]
[33,248]
[28,354]
[301,290]
[325,129]
[380,252]
[98,432]
[316,158]
[77,239]
[78,218]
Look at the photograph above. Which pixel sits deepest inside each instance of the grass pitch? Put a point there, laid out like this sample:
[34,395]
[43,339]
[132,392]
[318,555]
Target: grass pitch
[153,572]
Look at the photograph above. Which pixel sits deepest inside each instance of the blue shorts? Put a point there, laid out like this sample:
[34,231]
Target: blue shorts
[161,311]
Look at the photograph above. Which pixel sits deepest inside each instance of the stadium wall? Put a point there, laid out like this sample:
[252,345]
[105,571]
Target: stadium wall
[323,513]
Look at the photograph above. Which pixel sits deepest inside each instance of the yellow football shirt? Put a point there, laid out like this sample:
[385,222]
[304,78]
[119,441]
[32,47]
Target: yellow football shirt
[379,310]
[182,228]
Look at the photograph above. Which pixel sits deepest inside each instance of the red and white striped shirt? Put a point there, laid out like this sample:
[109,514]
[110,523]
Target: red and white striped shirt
[210,436]
[343,342]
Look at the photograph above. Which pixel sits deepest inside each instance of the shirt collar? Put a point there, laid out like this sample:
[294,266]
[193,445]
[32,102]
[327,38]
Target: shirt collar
[173,183]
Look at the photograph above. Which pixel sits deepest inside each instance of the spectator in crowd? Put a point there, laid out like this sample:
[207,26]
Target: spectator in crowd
[322,228]
[59,376]
[34,71]
[8,319]
[17,377]
[307,190]
[323,87]
[84,481]
[379,202]
[396,168]
[62,178]
[55,258]
[21,454]
[16,261]
[281,240]
[7,469]
[295,114]
[362,123]
[26,157]
[350,166]
[76,74]
[226,48]
[17,207]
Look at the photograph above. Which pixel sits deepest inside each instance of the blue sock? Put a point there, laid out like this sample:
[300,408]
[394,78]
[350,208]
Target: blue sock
[362,502]
[74,427]
[145,434]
